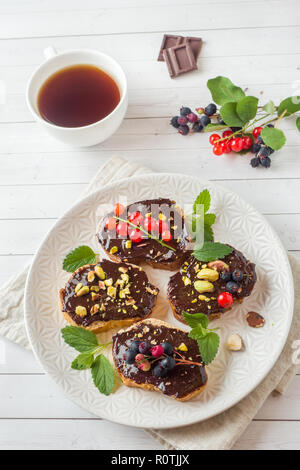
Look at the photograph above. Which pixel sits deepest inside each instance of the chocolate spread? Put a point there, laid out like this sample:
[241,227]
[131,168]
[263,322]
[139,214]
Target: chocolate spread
[148,250]
[180,381]
[124,297]
[186,298]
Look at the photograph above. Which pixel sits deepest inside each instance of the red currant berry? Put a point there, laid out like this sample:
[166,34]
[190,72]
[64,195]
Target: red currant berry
[110,223]
[217,149]
[213,138]
[150,225]
[135,235]
[247,142]
[236,144]
[166,235]
[225,145]
[256,132]
[136,218]
[162,226]
[227,133]
[119,209]
[225,300]
[122,229]
[157,350]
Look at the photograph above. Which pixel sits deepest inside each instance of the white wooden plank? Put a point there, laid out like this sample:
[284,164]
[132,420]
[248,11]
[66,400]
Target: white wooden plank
[9,265]
[14,359]
[146,19]
[270,435]
[72,435]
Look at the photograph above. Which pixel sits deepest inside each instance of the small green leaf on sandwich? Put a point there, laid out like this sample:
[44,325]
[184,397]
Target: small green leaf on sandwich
[79,257]
[211,251]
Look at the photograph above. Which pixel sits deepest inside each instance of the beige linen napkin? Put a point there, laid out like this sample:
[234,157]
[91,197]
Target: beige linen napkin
[219,432]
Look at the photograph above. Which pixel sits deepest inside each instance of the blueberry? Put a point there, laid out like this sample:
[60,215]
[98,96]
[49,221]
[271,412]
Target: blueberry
[130,356]
[271,150]
[197,127]
[260,140]
[270,125]
[159,371]
[183,130]
[168,363]
[135,346]
[184,111]
[232,287]
[205,120]
[255,148]
[265,162]
[144,347]
[174,122]
[220,120]
[255,162]
[168,348]
[237,275]
[210,109]
[264,151]
[235,129]
[182,120]
[225,276]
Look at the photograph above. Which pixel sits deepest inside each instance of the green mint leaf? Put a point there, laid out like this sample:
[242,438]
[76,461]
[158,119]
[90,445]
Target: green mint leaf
[204,199]
[208,233]
[269,107]
[230,116]
[215,127]
[298,123]
[273,137]
[103,375]
[247,108]
[83,361]
[196,319]
[211,251]
[79,257]
[209,219]
[291,105]
[223,90]
[80,339]
[208,346]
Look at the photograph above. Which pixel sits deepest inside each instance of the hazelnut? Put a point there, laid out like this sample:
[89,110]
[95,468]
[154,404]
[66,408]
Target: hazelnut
[234,342]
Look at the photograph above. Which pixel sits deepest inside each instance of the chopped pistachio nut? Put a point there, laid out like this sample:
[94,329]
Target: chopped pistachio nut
[102,308]
[203,286]
[135,307]
[182,347]
[209,274]
[95,296]
[130,301]
[78,287]
[148,215]
[128,244]
[112,291]
[81,311]
[123,269]
[219,265]
[91,276]
[100,273]
[194,301]
[94,288]
[124,292]
[95,309]
[203,297]
[186,280]
[109,282]
[101,285]
[125,278]
[113,250]
[84,290]
[162,216]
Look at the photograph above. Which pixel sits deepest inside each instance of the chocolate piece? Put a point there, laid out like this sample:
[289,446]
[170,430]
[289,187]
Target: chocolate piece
[180,59]
[255,320]
[149,250]
[183,296]
[127,295]
[169,40]
[181,381]
[195,43]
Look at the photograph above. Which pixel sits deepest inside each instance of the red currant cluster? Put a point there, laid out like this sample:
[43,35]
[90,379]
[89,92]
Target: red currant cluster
[228,143]
[136,225]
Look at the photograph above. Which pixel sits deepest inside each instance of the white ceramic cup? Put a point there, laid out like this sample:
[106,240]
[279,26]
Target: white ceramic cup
[85,135]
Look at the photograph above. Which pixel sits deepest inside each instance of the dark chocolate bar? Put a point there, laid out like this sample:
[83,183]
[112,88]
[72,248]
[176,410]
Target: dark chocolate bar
[169,40]
[195,44]
[179,59]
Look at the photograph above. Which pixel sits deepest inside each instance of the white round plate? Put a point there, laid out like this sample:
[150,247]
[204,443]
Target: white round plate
[231,376]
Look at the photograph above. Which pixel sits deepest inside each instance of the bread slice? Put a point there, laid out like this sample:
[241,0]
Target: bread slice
[182,383]
[117,295]
[148,250]
[183,295]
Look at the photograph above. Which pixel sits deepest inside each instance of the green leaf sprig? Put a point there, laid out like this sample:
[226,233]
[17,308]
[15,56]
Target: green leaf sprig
[79,257]
[208,341]
[87,344]
[210,250]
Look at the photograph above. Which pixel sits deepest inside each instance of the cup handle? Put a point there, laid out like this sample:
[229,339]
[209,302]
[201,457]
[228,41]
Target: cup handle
[49,52]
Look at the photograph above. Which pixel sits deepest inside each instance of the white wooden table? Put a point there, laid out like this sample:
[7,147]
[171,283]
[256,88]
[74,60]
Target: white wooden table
[256,44]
